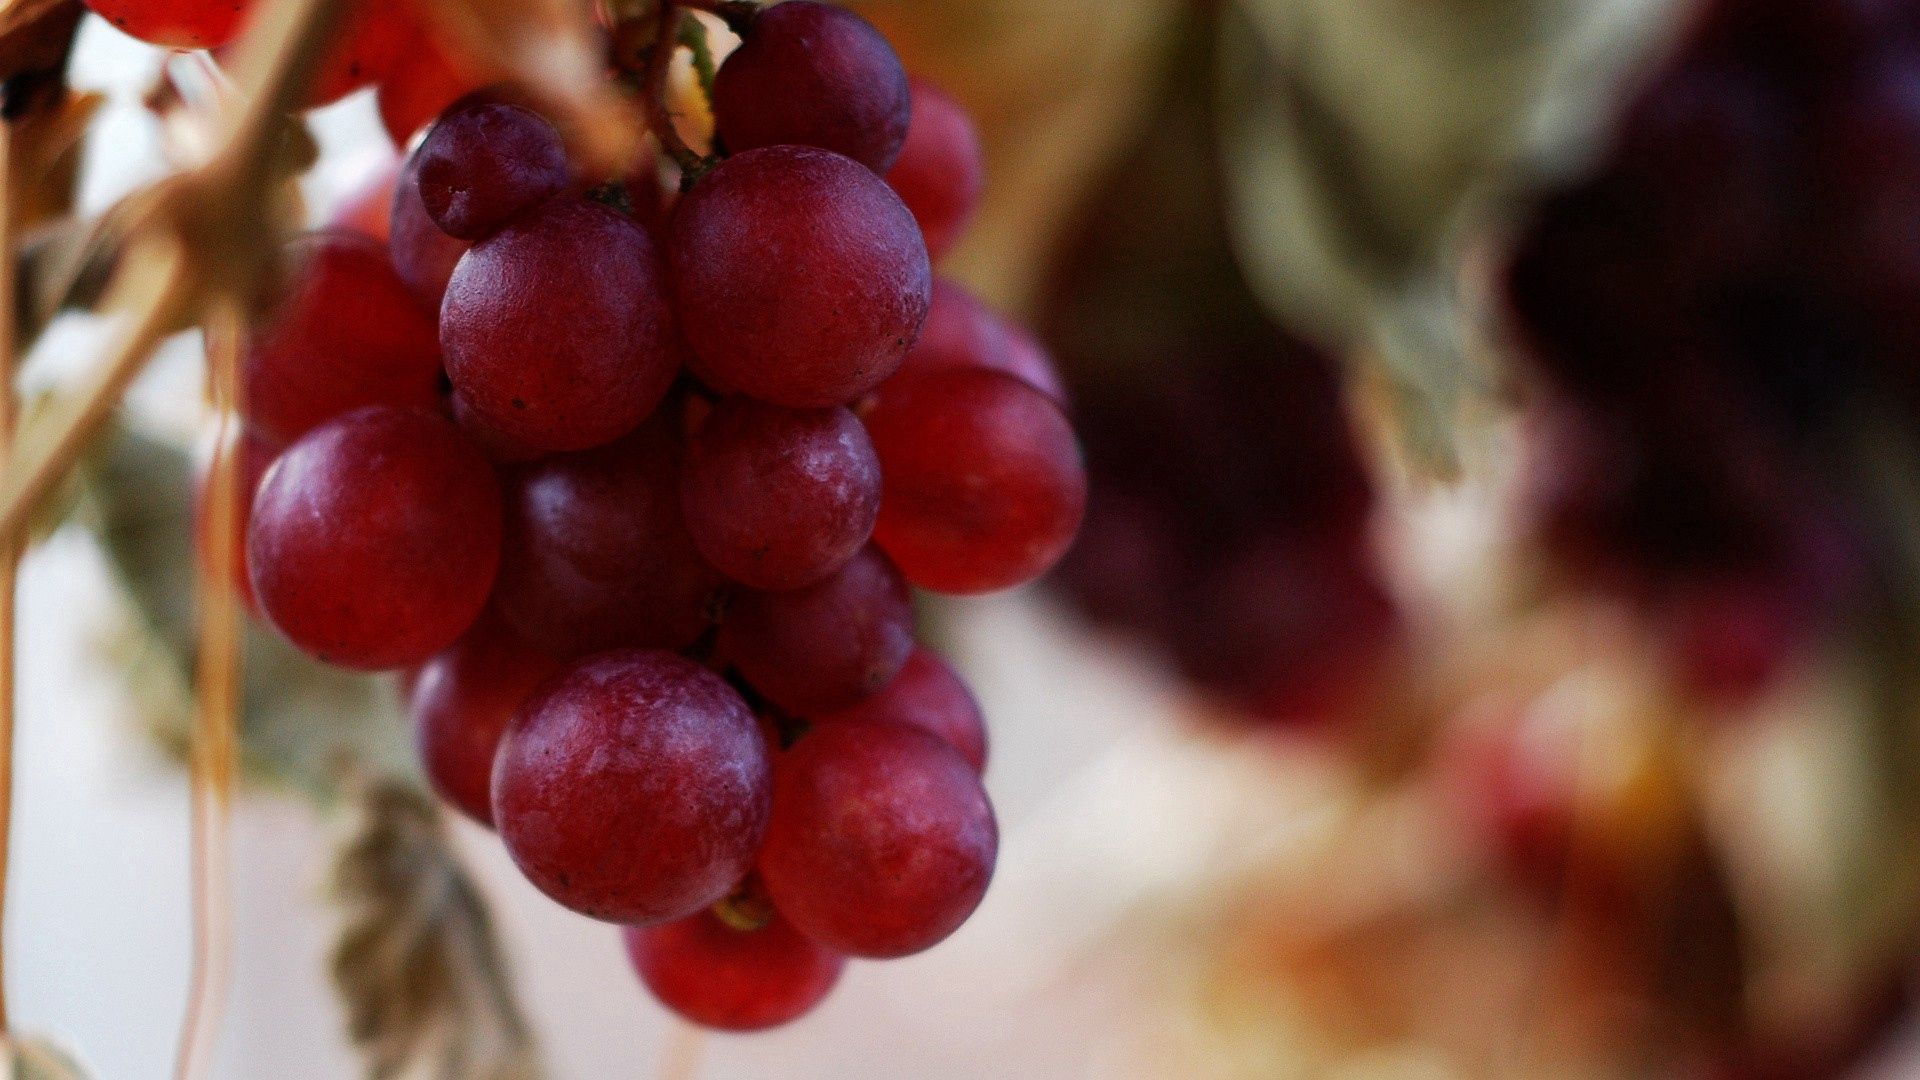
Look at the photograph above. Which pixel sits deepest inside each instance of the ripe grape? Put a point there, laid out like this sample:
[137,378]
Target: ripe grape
[423,256]
[378,37]
[984,487]
[733,980]
[633,787]
[556,328]
[596,555]
[825,646]
[462,700]
[809,74]
[486,162]
[176,24]
[881,841]
[941,171]
[927,694]
[374,539]
[962,332]
[347,334]
[779,498]
[800,278]
[422,88]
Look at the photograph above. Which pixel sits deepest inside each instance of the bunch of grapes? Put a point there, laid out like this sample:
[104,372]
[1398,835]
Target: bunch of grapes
[633,485]
[1227,523]
[1715,310]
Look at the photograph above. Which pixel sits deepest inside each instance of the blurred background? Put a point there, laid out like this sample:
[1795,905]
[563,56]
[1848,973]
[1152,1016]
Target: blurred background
[1489,652]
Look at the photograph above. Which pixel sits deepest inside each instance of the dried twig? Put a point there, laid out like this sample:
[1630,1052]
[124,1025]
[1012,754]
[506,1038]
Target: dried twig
[426,991]
[9,554]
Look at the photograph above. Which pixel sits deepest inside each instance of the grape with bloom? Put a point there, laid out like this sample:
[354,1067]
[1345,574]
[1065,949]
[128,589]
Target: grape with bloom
[635,484]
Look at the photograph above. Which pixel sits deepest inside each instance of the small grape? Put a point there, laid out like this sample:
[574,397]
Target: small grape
[596,555]
[486,162]
[633,787]
[811,74]
[779,498]
[347,334]
[881,841]
[941,170]
[417,91]
[379,37]
[733,980]
[422,254]
[825,646]
[984,487]
[374,539]
[176,24]
[962,332]
[462,700]
[799,277]
[927,694]
[556,328]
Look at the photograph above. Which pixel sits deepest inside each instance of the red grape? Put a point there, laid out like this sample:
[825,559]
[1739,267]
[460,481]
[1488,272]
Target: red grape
[347,334]
[379,36]
[962,332]
[881,841]
[779,498]
[825,646]
[556,328]
[423,256]
[177,24]
[984,486]
[375,538]
[461,702]
[484,163]
[800,278]
[941,170]
[415,92]
[596,555]
[633,787]
[733,980]
[810,74]
[927,694]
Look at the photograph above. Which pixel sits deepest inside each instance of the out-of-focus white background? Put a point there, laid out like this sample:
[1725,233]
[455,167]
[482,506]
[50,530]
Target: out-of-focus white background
[98,927]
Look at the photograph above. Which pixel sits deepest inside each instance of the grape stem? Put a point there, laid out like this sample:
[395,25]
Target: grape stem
[737,14]
[659,117]
[9,554]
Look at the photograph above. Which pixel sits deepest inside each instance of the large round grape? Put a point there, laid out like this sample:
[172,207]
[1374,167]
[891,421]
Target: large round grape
[733,980]
[825,646]
[485,162]
[374,539]
[423,256]
[940,171]
[556,328]
[810,74]
[984,482]
[929,695]
[596,555]
[177,24]
[633,787]
[799,276]
[461,702]
[347,334]
[881,841]
[779,498]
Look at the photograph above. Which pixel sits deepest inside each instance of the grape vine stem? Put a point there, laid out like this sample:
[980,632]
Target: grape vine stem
[9,556]
[654,92]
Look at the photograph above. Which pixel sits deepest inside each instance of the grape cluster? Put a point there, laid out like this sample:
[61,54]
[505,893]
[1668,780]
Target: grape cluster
[1712,309]
[634,486]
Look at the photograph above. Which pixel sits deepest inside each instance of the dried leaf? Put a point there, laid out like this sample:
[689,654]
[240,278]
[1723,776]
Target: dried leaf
[416,963]
[33,1058]
[36,34]
[1362,138]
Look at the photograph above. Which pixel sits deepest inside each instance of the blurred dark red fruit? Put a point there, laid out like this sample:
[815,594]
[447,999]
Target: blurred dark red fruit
[462,700]
[927,694]
[940,171]
[825,646]
[732,980]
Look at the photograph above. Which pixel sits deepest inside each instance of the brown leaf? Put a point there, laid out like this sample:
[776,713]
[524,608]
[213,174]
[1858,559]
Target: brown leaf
[416,963]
